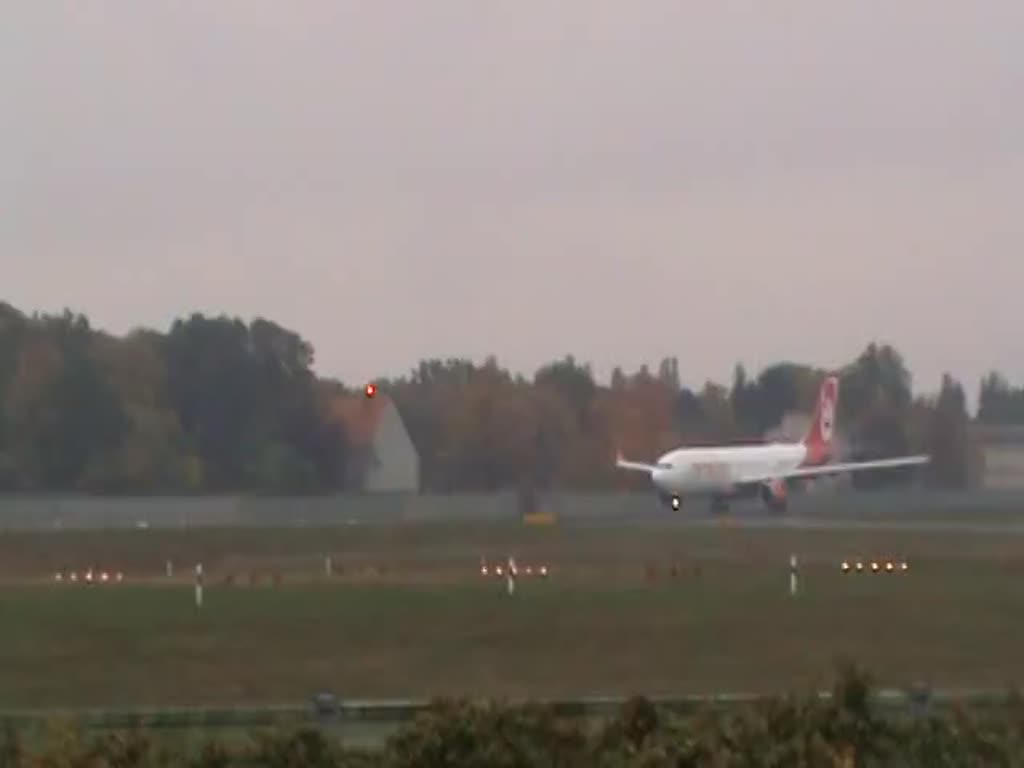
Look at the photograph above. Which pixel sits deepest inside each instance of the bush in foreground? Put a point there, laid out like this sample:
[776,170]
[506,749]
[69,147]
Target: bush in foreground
[847,730]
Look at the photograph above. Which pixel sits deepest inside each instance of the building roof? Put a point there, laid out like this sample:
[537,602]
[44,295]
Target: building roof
[359,415]
[998,434]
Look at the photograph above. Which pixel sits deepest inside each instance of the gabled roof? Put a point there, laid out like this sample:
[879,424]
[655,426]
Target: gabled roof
[359,415]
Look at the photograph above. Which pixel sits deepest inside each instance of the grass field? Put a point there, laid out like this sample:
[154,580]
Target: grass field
[408,615]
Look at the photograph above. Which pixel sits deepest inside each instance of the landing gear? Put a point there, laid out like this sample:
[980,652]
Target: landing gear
[675,502]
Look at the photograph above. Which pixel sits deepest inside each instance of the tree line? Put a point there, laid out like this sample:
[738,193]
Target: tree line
[218,405]
[1000,403]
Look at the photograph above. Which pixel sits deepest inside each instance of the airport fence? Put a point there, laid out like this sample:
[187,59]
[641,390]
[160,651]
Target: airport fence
[81,512]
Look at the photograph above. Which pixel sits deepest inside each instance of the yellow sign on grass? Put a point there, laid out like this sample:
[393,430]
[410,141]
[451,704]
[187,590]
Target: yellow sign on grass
[539,518]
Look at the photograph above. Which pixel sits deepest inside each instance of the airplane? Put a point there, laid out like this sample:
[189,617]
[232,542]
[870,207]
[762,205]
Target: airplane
[724,472]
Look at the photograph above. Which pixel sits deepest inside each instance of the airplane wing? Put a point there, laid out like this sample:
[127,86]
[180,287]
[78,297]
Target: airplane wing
[853,466]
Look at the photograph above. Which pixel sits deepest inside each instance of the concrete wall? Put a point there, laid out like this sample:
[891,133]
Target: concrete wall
[592,509]
[394,464]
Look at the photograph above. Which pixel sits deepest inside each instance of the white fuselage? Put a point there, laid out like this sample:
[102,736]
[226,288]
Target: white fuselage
[721,470]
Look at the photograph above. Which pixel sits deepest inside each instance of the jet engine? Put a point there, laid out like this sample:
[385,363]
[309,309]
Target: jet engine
[775,494]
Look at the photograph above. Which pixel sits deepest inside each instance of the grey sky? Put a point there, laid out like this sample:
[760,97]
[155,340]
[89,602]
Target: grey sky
[624,181]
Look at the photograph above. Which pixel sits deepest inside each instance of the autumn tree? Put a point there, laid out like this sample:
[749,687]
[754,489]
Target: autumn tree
[490,430]
[742,399]
[874,407]
[717,418]
[153,455]
[214,405]
[948,440]
[878,376]
[638,417]
[247,401]
[761,404]
[572,443]
[429,399]
[64,415]
[668,374]
[998,402]
[572,382]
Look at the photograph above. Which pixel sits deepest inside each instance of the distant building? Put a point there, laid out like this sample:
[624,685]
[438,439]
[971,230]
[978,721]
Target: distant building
[382,455]
[1002,452]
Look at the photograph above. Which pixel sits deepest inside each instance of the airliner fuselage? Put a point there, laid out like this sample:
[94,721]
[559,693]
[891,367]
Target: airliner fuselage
[721,469]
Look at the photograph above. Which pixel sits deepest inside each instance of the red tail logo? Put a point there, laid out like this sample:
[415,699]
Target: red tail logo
[819,436]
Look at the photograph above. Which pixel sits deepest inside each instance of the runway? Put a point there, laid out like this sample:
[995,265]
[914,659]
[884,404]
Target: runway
[1002,520]
[839,524]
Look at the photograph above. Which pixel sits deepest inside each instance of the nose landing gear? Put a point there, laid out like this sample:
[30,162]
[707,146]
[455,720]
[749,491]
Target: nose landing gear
[675,503]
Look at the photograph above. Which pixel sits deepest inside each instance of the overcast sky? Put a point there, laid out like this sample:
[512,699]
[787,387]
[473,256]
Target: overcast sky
[620,180]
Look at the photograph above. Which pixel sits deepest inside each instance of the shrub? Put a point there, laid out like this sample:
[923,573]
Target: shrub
[488,735]
[792,732]
[307,747]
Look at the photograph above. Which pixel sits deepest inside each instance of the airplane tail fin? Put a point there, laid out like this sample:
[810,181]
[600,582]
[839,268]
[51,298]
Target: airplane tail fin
[818,439]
